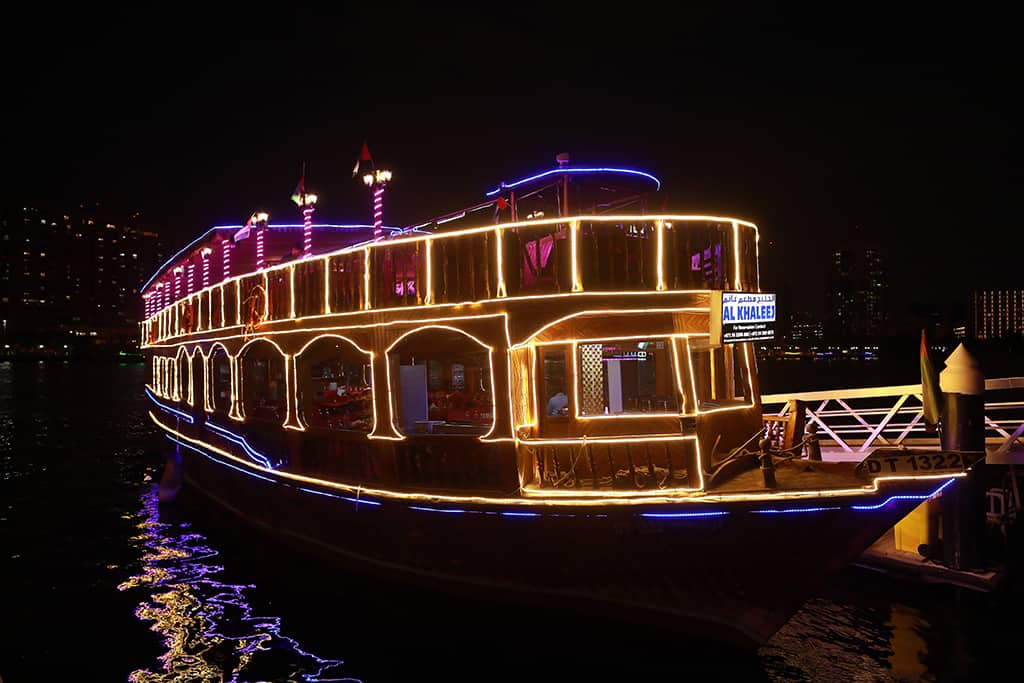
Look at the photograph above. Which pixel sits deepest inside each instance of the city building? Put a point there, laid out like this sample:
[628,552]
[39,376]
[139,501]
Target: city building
[72,272]
[997,313]
[804,329]
[857,294]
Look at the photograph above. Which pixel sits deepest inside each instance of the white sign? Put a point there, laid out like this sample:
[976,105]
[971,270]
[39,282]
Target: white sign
[742,317]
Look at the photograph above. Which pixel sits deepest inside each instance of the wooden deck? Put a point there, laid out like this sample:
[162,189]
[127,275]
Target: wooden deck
[797,475]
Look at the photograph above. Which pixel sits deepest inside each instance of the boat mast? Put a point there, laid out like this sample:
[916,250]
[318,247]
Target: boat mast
[563,161]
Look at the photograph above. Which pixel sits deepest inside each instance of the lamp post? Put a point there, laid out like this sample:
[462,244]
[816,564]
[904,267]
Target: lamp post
[377,181]
[205,254]
[177,282]
[308,203]
[260,219]
[225,246]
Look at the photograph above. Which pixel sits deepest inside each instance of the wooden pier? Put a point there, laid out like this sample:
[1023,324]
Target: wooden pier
[853,423]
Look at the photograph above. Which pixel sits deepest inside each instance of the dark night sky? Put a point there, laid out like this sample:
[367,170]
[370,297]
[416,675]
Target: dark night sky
[827,129]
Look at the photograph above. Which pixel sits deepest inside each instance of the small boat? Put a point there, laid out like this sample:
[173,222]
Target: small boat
[550,396]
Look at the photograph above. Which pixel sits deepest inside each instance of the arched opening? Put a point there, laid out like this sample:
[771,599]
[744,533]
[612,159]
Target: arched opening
[155,362]
[263,383]
[197,378]
[441,383]
[335,385]
[220,380]
[167,377]
[183,387]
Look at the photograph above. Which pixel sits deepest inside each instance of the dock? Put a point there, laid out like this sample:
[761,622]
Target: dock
[886,558]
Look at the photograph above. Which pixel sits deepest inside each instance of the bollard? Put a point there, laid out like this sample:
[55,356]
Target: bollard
[963,429]
[795,424]
[813,446]
[767,463]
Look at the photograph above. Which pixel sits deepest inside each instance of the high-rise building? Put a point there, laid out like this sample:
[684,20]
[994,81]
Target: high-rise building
[72,270]
[997,313]
[804,329]
[857,294]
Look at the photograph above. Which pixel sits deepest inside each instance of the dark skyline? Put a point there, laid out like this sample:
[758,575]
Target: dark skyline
[828,130]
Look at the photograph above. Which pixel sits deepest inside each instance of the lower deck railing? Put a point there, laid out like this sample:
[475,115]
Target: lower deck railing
[614,466]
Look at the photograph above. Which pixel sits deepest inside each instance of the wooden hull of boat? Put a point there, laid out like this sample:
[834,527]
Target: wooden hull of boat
[735,577]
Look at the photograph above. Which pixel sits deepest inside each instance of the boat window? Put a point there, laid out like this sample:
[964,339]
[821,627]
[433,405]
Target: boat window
[699,255]
[721,376]
[618,256]
[397,274]
[346,282]
[556,400]
[441,382]
[334,386]
[263,383]
[309,287]
[220,381]
[537,259]
[279,293]
[626,377]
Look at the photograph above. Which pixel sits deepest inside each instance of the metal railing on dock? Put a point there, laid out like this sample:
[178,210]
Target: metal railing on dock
[855,420]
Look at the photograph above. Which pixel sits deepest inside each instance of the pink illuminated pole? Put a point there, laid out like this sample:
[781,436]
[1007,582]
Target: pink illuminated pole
[226,259]
[177,282]
[377,181]
[260,219]
[205,253]
[191,280]
[307,229]
[307,202]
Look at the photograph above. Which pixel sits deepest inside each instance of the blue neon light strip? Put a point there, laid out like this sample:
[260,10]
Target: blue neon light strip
[448,510]
[508,186]
[892,498]
[683,515]
[171,260]
[219,461]
[656,515]
[161,406]
[357,501]
[240,440]
[773,511]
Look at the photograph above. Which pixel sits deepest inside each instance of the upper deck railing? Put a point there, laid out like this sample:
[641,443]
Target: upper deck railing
[510,260]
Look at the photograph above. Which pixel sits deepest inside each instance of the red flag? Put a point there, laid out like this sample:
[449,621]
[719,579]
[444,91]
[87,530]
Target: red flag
[300,191]
[502,204]
[363,156]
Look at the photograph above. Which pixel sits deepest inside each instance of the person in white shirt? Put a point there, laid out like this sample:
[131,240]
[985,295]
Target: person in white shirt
[557,403]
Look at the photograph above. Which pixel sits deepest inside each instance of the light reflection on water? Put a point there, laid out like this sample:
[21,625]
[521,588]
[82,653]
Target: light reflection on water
[208,627]
[826,640]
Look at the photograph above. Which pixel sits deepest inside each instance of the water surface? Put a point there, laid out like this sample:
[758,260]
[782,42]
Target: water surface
[102,584]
